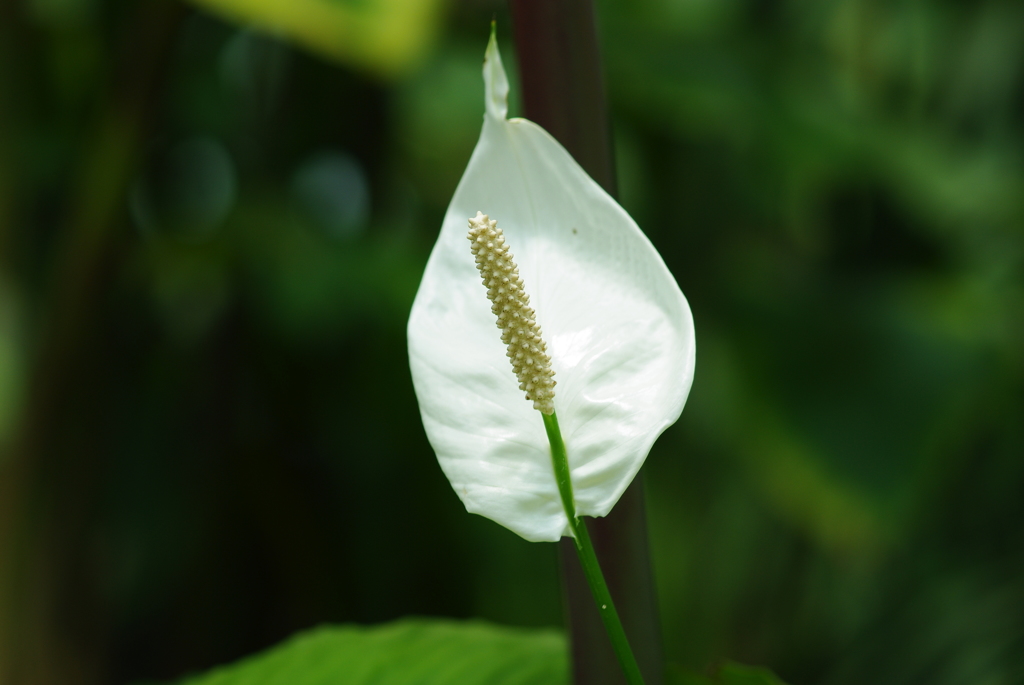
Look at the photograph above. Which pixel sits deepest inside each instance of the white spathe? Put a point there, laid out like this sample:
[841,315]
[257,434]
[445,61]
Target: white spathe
[618,330]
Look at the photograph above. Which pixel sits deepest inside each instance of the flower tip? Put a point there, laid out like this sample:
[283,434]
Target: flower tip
[495,81]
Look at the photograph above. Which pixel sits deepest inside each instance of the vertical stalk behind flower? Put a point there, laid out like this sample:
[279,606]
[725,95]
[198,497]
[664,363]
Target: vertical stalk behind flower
[563,91]
[511,305]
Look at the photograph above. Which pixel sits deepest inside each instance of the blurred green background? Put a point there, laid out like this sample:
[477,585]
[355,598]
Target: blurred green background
[211,235]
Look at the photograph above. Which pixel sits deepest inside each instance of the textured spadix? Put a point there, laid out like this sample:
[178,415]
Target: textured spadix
[618,330]
[511,307]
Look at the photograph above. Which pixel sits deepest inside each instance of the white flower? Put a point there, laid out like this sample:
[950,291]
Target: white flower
[618,330]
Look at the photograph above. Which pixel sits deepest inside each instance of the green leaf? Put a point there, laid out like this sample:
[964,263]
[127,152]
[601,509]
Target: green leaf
[406,652]
[677,675]
[728,674]
[736,674]
[385,37]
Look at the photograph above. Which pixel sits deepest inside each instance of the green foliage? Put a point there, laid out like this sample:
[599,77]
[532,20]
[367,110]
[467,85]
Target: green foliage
[224,432]
[407,652]
[384,37]
[728,673]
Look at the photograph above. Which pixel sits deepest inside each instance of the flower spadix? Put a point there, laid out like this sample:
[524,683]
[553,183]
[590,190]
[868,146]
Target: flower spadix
[618,331]
[511,307]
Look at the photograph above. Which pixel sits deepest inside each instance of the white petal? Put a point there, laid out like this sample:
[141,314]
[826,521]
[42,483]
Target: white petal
[618,329]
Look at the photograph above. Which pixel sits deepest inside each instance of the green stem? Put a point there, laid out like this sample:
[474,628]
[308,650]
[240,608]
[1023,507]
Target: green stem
[588,557]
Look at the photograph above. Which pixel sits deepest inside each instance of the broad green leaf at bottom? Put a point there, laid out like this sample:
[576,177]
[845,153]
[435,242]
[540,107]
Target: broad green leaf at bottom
[406,652]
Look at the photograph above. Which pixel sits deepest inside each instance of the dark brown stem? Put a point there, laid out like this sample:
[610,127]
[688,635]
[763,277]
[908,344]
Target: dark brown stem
[562,85]
[563,91]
